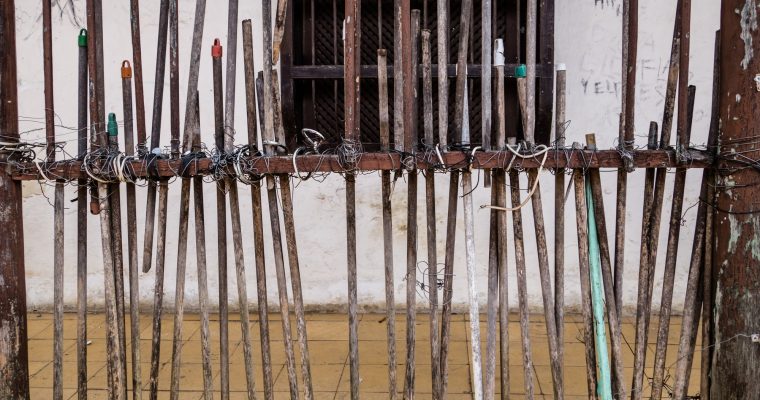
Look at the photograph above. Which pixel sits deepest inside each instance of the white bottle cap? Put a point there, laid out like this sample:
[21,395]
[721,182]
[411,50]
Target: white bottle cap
[561,67]
[498,53]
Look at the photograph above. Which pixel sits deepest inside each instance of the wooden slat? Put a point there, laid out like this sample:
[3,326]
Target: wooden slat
[71,170]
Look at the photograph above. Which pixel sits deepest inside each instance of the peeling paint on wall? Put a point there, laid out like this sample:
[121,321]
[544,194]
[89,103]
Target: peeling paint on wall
[748,22]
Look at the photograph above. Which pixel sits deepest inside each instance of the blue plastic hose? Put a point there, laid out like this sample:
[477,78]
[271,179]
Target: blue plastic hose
[603,385]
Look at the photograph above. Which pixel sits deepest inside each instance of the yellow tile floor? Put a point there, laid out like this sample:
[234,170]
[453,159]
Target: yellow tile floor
[328,347]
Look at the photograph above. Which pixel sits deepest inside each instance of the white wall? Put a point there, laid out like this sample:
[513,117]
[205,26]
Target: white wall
[587,40]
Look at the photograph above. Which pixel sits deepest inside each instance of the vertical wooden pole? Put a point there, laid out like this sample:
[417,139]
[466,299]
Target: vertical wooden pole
[736,263]
[385,145]
[500,186]
[581,219]
[14,369]
[352,61]
[200,252]
[82,225]
[134,283]
[155,133]
[58,231]
[708,283]
[258,223]
[410,25]
[559,213]
[432,251]
[522,283]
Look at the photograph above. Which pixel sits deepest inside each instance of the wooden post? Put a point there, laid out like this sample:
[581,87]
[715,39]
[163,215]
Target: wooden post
[14,370]
[736,263]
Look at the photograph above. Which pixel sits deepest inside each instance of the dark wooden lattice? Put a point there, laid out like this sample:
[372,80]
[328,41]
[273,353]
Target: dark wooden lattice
[313,58]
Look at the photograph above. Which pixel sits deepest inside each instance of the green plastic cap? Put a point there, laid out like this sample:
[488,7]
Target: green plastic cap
[113,127]
[83,38]
[521,71]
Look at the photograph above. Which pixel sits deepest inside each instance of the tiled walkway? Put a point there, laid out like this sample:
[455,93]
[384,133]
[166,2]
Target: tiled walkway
[328,347]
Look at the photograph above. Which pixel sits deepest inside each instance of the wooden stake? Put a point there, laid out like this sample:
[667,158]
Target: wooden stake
[695,283]
[134,277]
[708,286]
[625,135]
[499,185]
[282,288]
[179,296]
[158,289]
[442,10]
[274,214]
[522,285]
[448,278]
[489,384]
[352,57]
[221,227]
[410,147]
[237,236]
[443,123]
[559,210]
[295,283]
[469,236]
[58,231]
[200,251]
[290,240]
[228,132]
[134,12]
[118,382]
[671,256]
[82,225]
[229,73]
[485,100]
[527,107]
[464,34]
[258,225]
[119,343]
[531,31]
[390,302]
[400,15]
[279,29]
[168,13]
[118,256]
[581,219]
[432,261]
[155,135]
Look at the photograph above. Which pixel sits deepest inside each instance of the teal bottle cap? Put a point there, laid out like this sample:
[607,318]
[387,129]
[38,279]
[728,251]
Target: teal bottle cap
[113,127]
[83,38]
[521,71]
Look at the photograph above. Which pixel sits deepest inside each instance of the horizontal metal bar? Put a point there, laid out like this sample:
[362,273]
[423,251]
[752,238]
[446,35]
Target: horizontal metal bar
[72,170]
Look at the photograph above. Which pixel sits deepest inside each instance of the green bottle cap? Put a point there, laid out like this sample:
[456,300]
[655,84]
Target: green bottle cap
[521,71]
[83,38]
[113,127]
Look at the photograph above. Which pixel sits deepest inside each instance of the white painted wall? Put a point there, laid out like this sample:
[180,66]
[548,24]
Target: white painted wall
[587,40]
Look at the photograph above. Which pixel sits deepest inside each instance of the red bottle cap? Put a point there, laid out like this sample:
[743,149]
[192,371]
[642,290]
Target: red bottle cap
[216,49]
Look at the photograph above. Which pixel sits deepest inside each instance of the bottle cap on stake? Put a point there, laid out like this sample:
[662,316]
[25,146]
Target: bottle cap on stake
[216,49]
[498,53]
[126,69]
[113,126]
[561,67]
[82,39]
[521,71]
